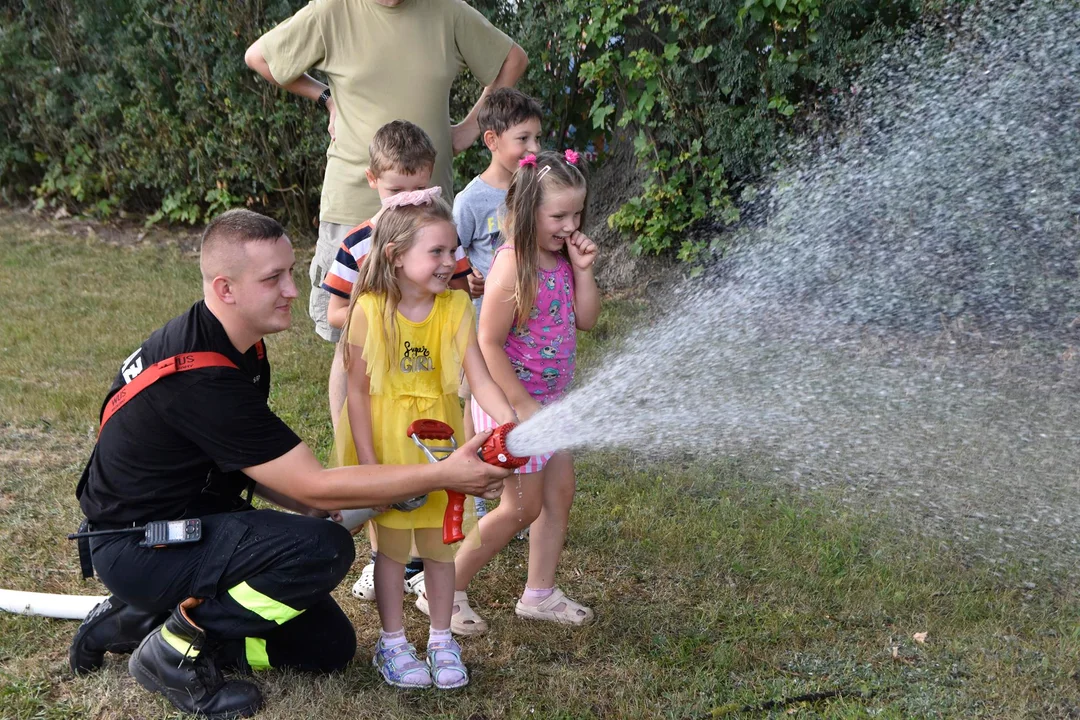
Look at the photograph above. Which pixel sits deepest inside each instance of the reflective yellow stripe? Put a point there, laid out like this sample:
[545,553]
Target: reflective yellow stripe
[255,649]
[184,647]
[262,605]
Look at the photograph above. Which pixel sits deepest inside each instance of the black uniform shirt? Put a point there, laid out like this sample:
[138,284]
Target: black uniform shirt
[175,450]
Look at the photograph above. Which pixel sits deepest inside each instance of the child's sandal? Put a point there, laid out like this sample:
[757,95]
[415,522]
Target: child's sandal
[444,658]
[364,588]
[400,666]
[464,621]
[572,613]
[415,584]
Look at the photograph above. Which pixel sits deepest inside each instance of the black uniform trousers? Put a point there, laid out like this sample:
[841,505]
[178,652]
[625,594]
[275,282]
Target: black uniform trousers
[264,577]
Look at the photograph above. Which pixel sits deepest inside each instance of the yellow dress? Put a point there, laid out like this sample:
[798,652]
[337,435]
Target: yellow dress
[416,376]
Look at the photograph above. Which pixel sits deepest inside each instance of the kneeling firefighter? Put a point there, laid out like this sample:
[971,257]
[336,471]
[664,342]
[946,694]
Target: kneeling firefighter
[200,579]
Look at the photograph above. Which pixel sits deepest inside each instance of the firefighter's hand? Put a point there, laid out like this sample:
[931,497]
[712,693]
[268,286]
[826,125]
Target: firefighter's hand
[467,473]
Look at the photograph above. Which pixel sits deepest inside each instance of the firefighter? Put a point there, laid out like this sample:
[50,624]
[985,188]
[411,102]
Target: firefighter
[187,433]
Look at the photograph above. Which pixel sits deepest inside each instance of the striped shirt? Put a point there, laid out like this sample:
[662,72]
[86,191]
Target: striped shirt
[345,269]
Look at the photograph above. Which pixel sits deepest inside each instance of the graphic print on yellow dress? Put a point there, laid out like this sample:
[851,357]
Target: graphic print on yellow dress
[416,376]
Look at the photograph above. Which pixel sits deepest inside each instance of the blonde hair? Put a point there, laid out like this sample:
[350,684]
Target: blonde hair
[531,184]
[395,233]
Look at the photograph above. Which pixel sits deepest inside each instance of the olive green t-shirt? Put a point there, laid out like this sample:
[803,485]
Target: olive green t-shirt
[383,64]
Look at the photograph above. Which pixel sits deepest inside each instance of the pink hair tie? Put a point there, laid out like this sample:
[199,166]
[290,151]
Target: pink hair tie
[529,159]
[413,197]
[572,156]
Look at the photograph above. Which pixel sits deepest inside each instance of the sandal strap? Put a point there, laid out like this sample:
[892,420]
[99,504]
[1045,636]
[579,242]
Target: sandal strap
[552,601]
[444,652]
[387,658]
[445,656]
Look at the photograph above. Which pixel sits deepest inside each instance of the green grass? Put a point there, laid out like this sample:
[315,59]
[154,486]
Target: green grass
[717,591]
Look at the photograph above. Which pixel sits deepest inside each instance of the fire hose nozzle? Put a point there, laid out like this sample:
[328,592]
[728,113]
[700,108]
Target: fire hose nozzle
[495,452]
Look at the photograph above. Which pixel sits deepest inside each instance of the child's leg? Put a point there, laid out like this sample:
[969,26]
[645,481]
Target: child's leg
[548,533]
[513,513]
[439,588]
[337,385]
[395,658]
[540,600]
[389,592]
[443,653]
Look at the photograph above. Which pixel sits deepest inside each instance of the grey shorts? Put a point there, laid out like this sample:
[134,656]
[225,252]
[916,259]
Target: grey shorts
[331,235]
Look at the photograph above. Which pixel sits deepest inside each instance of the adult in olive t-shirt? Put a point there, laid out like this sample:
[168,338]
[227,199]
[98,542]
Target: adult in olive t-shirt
[385,60]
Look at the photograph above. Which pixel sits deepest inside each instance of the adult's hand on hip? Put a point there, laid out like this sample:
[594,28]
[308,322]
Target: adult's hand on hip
[463,135]
[331,108]
[468,474]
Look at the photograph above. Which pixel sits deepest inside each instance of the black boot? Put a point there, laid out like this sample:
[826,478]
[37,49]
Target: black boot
[176,661]
[112,626]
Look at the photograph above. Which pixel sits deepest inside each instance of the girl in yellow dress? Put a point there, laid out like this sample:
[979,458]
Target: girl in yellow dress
[406,340]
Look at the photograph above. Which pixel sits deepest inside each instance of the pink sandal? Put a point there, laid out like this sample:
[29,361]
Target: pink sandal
[571,614]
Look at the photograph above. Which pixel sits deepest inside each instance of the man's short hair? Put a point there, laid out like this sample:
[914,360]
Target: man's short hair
[239,226]
[506,107]
[228,232]
[403,146]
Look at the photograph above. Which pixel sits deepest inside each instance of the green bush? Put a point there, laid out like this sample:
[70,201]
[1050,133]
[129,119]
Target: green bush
[707,88]
[147,107]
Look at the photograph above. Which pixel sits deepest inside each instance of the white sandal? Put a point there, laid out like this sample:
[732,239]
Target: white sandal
[463,622]
[415,584]
[573,614]
[364,588]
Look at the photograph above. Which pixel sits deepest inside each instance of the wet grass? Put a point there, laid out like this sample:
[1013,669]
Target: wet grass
[719,592]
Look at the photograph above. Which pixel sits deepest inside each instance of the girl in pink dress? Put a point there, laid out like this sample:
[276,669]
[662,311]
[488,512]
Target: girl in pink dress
[539,293]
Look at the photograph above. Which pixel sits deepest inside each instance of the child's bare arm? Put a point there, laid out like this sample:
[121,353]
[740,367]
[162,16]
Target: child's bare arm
[484,388]
[359,405]
[357,393]
[496,318]
[582,253]
[337,312]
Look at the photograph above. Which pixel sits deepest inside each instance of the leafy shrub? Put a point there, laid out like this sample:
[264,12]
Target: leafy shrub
[709,86]
[148,107]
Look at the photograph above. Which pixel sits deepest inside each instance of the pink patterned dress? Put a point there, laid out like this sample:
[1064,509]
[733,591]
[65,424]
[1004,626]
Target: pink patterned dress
[544,352]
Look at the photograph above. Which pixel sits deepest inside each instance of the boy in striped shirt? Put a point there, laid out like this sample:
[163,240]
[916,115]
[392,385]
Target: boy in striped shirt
[402,159]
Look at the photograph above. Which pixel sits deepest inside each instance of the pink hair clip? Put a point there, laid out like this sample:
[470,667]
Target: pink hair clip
[529,159]
[413,197]
[572,156]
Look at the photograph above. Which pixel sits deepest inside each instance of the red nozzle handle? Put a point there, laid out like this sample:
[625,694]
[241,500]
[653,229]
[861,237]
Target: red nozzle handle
[428,429]
[451,522]
[494,451]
